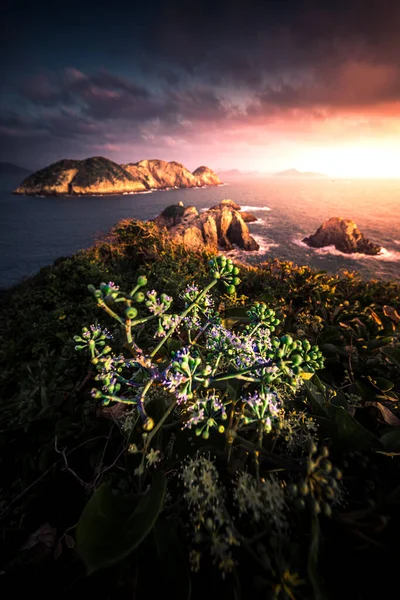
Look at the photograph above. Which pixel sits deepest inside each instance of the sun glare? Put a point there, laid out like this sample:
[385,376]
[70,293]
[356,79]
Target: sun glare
[355,161]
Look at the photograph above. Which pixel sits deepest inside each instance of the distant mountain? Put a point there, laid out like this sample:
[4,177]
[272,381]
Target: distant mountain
[232,174]
[101,176]
[10,169]
[296,173]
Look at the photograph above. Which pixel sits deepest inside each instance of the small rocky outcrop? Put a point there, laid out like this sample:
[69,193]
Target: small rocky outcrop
[246,216]
[344,235]
[101,176]
[221,226]
[205,176]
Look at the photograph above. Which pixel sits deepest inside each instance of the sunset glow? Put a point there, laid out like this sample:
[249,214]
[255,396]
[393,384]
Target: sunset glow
[265,89]
[354,161]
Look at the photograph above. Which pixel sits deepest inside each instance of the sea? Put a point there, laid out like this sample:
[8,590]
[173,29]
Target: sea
[37,230]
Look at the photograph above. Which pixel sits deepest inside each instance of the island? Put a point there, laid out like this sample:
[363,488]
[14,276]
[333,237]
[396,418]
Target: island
[97,176]
[294,173]
[7,168]
[220,227]
[344,235]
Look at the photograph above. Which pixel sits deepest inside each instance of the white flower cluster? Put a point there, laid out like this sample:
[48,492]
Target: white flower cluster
[211,522]
[298,429]
[264,501]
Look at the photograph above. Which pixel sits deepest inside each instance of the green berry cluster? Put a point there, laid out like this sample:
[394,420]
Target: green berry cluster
[320,488]
[298,356]
[260,313]
[93,339]
[223,268]
[109,292]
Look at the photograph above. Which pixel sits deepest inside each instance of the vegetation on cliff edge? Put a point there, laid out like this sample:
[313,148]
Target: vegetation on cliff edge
[60,446]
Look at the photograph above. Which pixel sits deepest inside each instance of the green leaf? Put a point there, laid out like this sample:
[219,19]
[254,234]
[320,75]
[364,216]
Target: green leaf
[381,383]
[317,399]
[267,298]
[230,322]
[378,343]
[391,440]
[340,400]
[312,560]
[349,431]
[393,355]
[111,527]
[328,348]
[233,388]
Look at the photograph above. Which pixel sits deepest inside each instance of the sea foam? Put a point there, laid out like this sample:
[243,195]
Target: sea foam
[385,255]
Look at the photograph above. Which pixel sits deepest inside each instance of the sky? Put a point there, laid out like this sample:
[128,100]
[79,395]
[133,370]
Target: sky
[252,85]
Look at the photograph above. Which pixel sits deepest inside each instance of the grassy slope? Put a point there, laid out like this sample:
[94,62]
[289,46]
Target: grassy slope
[44,382]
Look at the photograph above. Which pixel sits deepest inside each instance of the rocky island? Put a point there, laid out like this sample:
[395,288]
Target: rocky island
[220,227]
[344,235]
[101,176]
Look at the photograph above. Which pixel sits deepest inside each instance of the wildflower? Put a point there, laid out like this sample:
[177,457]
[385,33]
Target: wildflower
[194,559]
[153,457]
[266,500]
[204,414]
[248,496]
[180,375]
[321,487]
[261,407]
[297,429]
[191,293]
[158,306]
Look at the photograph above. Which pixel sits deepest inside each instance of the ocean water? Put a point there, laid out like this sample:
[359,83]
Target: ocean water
[35,231]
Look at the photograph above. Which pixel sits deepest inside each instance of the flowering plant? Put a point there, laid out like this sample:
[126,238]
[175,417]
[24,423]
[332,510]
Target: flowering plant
[226,384]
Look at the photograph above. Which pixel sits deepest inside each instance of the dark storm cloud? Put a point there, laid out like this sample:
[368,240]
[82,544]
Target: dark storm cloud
[107,74]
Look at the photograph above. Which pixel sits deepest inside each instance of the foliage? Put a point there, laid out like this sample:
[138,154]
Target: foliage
[277,478]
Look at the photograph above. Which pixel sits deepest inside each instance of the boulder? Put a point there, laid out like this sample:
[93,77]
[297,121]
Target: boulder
[219,227]
[344,235]
[238,233]
[230,204]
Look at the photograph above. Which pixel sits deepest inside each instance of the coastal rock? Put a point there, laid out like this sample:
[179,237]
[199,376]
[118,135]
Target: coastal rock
[344,235]
[101,176]
[205,176]
[247,217]
[219,227]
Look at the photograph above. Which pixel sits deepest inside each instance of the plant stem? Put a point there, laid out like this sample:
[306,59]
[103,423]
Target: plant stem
[183,315]
[236,374]
[110,312]
[160,422]
[216,364]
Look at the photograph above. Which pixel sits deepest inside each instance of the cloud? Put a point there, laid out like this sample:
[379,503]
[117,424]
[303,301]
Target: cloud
[227,76]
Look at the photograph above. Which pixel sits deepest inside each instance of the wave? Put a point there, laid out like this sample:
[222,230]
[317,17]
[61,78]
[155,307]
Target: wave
[255,208]
[385,255]
[265,246]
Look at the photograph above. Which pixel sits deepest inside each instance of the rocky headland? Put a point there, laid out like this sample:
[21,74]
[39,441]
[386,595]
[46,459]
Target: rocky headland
[220,227]
[344,235]
[101,176]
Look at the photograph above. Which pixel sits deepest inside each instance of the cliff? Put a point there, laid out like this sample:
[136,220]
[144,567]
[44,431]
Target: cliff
[344,235]
[221,226]
[101,176]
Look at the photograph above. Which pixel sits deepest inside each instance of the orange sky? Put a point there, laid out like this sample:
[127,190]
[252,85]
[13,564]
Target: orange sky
[256,85]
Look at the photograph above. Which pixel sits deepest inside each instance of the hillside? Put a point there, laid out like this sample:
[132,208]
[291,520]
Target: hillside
[295,173]
[101,176]
[7,168]
[151,394]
